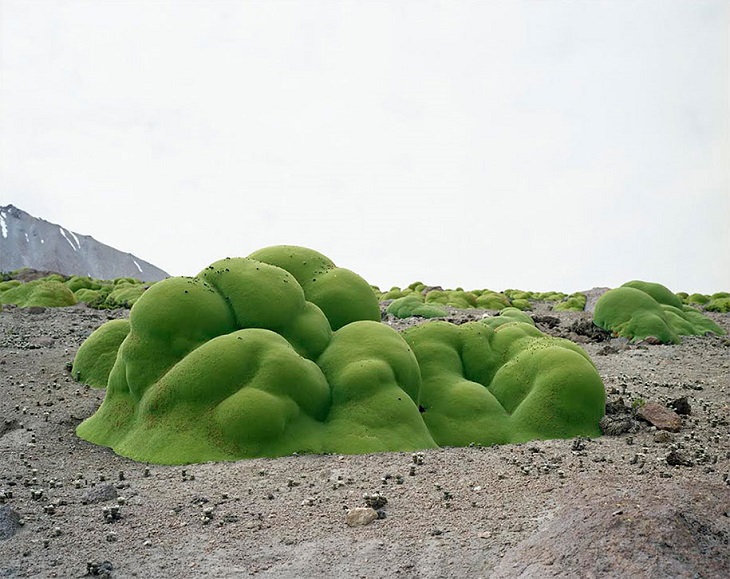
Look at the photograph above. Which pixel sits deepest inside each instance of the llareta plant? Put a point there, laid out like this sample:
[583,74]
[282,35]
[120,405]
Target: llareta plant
[639,309]
[284,352]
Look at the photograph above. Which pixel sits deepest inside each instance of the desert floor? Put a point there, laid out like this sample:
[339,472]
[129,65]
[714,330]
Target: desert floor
[644,503]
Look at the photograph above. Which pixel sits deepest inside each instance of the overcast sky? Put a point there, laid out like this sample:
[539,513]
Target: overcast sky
[535,145]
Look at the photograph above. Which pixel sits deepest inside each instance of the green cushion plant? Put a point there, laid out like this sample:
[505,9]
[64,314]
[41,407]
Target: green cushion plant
[411,305]
[639,310]
[283,352]
[501,380]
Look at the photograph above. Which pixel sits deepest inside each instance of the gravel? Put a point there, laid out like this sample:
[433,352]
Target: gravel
[643,503]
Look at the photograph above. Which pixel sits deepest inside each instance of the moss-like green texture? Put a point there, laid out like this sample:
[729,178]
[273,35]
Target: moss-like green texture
[411,305]
[638,310]
[242,361]
[341,294]
[283,352]
[95,359]
[721,304]
[574,303]
[44,292]
[59,291]
[454,298]
[501,380]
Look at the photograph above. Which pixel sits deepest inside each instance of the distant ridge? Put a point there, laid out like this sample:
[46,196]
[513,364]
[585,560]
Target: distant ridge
[27,241]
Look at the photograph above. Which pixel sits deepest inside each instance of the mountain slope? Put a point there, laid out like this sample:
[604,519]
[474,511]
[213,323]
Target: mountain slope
[26,241]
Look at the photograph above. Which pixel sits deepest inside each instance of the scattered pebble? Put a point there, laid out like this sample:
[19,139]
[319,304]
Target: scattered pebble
[361,516]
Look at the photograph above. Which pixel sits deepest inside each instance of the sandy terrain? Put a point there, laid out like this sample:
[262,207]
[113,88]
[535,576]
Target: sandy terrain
[647,503]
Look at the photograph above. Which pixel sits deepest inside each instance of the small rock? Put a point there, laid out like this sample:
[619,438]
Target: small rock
[375,500]
[681,406]
[607,350]
[103,569]
[41,342]
[8,425]
[547,321]
[660,416]
[677,458]
[578,444]
[361,516]
[617,406]
[617,424]
[586,327]
[9,522]
[99,494]
[111,514]
[662,437]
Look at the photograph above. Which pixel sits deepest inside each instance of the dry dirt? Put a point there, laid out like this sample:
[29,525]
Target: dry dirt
[647,503]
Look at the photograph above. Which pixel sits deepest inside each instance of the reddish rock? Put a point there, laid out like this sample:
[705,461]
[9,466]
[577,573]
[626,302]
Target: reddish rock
[660,416]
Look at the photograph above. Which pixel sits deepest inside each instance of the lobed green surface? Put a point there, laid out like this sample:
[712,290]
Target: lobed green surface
[283,352]
[55,291]
[638,310]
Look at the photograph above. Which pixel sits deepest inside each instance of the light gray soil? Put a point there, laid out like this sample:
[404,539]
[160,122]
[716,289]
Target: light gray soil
[647,503]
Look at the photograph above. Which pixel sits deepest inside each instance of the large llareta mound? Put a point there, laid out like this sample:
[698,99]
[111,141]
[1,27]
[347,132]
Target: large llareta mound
[639,309]
[283,352]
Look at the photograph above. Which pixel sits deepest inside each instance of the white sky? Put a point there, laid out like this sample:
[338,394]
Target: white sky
[535,145]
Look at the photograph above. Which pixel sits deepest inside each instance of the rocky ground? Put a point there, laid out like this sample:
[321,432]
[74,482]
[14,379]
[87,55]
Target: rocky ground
[645,502]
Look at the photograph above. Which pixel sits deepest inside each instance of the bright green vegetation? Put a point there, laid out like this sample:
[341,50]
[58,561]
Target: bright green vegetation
[638,310]
[453,298]
[283,352]
[573,303]
[341,294]
[413,305]
[42,292]
[94,361]
[501,380]
[55,290]
[717,302]
[459,298]
[720,304]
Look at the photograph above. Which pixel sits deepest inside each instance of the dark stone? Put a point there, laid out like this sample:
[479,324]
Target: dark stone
[578,444]
[681,406]
[9,522]
[618,424]
[677,458]
[8,426]
[547,321]
[616,406]
[102,569]
[99,494]
[376,501]
[586,327]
